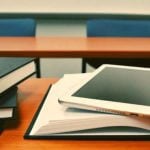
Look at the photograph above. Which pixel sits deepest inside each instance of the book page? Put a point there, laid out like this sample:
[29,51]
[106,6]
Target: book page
[56,118]
[51,108]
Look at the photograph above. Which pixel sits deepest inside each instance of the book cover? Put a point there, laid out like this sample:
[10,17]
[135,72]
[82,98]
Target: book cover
[1,126]
[9,64]
[15,70]
[8,103]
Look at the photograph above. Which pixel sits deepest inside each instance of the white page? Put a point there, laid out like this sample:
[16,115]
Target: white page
[51,109]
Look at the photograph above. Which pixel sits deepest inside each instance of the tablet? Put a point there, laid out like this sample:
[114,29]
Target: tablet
[114,89]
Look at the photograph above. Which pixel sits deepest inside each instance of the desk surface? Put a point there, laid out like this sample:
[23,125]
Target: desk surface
[74,47]
[29,100]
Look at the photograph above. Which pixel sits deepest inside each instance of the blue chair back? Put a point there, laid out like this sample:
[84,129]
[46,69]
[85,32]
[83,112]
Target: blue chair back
[118,28]
[22,28]
[17,27]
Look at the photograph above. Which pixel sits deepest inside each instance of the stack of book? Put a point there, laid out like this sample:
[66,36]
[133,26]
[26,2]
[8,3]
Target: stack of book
[96,105]
[12,72]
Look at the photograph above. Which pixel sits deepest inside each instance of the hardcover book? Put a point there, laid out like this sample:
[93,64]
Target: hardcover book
[8,103]
[1,126]
[15,70]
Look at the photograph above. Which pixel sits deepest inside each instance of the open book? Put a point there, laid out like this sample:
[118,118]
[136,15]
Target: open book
[54,119]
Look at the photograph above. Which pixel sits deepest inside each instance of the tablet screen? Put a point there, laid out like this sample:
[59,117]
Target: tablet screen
[119,85]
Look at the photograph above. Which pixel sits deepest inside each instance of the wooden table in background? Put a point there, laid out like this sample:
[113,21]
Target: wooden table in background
[30,95]
[73,47]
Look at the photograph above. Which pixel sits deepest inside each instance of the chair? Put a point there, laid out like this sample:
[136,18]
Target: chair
[20,27]
[116,28]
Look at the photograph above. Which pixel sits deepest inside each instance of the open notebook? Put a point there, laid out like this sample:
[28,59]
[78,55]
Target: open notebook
[54,120]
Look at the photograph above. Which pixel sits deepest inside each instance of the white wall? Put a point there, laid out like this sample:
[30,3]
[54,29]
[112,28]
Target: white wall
[58,67]
[76,6]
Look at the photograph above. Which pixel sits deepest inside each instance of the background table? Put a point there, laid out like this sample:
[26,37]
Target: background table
[30,95]
[73,47]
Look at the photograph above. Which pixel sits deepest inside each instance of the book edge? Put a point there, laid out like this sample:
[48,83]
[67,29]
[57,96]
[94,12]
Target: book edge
[20,66]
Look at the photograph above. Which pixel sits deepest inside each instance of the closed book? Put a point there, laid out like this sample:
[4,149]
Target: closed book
[15,70]
[8,103]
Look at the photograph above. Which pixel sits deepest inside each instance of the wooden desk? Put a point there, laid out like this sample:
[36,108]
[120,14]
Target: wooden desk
[30,94]
[75,47]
